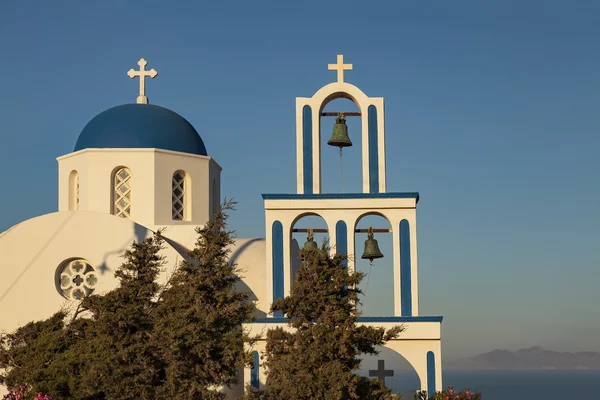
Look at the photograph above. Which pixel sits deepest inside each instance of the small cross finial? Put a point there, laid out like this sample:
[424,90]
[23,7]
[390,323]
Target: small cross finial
[340,67]
[381,373]
[142,74]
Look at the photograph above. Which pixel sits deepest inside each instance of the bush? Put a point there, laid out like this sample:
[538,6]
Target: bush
[450,394]
[21,393]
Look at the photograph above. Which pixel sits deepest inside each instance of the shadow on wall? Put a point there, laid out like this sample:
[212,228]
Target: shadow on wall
[139,232]
[241,286]
[400,376]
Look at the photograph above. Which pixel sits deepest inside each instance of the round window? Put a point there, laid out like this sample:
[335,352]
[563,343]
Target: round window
[77,279]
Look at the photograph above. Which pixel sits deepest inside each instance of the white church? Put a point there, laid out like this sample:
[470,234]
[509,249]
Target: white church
[136,168]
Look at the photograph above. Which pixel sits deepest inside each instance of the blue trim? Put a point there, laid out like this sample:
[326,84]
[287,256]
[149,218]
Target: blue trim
[307,149]
[283,320]
[277,237]
[405,269]
[341,239]
[373,151]
[254,373]
[340,196]
[431,387]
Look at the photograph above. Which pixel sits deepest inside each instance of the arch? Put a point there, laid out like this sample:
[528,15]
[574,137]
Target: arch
[405,379]
[255,371]
[298,239]
[121,192]
[405,269]
[307,149]
[431,386]
[341,239]
[336,90]
[180,193]
[373,134]
[74,190]
[378,284]
[278,266]
[371,213]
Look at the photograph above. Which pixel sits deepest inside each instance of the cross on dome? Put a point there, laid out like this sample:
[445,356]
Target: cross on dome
[340,67]
[142,74]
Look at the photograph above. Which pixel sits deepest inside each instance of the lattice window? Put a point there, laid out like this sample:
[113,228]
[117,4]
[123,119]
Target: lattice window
[122,193]
[77,192]
[76,279]
[178,196]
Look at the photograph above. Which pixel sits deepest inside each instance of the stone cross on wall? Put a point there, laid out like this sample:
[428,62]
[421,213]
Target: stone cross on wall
[381,372]
[340,67]
[142,74]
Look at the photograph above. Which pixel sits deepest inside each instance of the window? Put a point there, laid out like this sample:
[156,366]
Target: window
[74,191]
[178,196]
[121,206]
[76,279]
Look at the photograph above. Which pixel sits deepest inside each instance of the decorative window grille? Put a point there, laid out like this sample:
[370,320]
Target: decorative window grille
[178,196]
[122,193]
[77,192]
[77,279]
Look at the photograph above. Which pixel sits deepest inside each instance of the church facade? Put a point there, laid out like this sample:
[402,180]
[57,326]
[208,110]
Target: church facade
[136,168]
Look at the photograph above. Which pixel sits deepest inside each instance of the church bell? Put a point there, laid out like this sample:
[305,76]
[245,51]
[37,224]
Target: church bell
[371,247]
[339,137]
[310,244]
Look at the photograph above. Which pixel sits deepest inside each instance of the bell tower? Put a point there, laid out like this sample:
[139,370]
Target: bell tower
[348,223]
[309,111]
[342,212]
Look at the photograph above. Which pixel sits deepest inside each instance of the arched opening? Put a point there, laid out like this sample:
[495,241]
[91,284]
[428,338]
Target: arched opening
[398,373]
[341,175]
[74,191]
[216,201]
[180,193]
[299,238]
[121,199]
[377,286]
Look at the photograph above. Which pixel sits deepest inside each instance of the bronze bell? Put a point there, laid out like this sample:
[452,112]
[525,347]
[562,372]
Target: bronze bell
[310,244]
[371,248]
[339,137]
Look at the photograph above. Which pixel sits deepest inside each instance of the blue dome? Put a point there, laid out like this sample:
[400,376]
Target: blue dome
[134,126]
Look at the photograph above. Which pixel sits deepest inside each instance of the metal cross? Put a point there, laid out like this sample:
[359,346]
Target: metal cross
[340,67]
[142,74]
[381,372]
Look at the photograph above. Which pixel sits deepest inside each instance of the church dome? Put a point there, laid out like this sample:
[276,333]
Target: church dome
[134,126]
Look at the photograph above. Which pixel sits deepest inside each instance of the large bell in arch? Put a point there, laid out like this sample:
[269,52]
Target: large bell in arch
[339,137]
[371,247]
[310,244]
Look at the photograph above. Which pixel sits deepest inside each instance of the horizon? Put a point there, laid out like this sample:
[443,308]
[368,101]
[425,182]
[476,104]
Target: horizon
[492,116]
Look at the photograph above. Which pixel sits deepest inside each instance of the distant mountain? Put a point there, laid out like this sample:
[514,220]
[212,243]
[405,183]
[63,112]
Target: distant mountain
[531,358]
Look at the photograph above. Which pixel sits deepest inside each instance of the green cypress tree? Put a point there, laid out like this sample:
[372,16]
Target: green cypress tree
[317,359]
[106,351]
[199,318]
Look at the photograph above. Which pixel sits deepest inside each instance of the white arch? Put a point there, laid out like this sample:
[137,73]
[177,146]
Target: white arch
[316,103]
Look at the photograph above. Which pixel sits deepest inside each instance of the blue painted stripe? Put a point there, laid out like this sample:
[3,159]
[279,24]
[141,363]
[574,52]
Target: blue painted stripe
[340,196]
[341,239]
[405,271]
[282,320]
[431,387]
[254,373]
[277,237]
[307,149]
[373,151]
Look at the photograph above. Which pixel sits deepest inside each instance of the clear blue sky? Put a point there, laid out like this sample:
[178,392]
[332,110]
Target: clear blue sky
[492,115]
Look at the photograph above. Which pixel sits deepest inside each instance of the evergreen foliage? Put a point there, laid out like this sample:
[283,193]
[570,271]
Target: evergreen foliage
[318,357]
[142,341]
[199,320]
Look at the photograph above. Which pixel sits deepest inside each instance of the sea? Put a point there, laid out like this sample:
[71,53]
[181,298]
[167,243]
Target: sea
[526,385]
